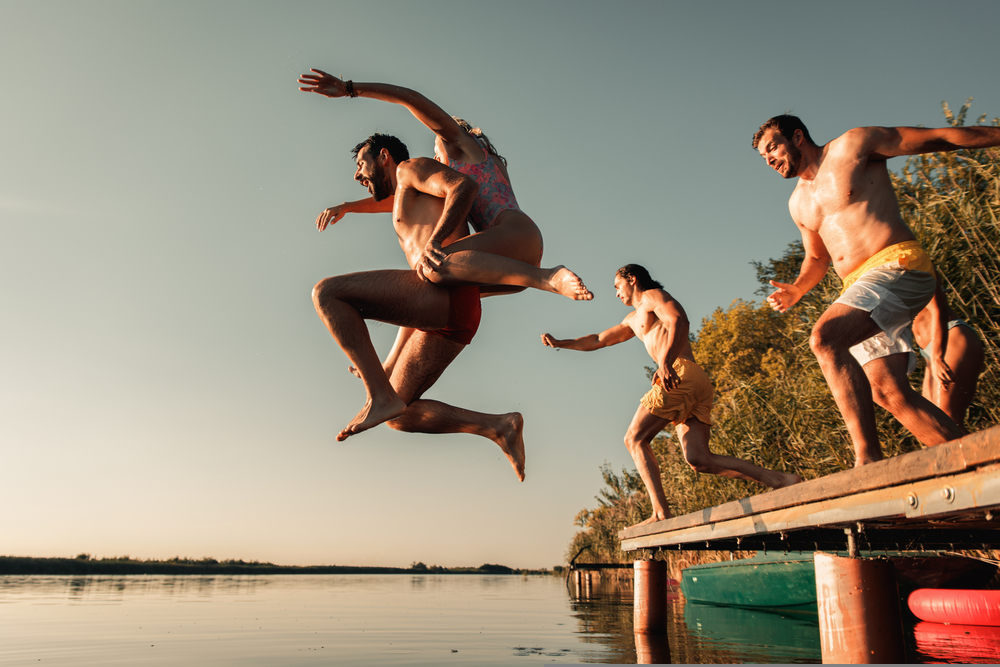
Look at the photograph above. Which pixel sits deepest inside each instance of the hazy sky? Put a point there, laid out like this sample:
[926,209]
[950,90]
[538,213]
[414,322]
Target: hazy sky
[166,387]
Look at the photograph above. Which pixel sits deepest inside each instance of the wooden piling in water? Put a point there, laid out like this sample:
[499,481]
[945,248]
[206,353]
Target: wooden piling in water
[859,617]
[650,595]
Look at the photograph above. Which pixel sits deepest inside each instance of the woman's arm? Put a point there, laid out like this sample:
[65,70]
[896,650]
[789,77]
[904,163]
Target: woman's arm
[457,140]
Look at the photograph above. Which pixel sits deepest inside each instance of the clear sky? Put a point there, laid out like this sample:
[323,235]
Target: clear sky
[166,387]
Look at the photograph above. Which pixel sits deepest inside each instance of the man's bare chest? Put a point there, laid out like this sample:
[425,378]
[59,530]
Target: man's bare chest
[837,195]
[644,322]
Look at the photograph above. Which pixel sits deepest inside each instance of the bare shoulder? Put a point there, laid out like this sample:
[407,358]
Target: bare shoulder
[862,142]
[417,170]
[661,296]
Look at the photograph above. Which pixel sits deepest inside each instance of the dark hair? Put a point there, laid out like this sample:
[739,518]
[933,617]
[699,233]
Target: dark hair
[397,149]
[786,124]
[641,276]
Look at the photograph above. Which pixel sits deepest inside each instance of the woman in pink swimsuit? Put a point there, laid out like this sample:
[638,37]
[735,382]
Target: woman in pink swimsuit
[505,252]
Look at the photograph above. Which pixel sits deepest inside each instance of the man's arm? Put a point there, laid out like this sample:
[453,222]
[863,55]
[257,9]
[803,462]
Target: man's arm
[882,143]
[613,336]
[814,268]
[675,331]
[332,215]
[457,190]
[937,366]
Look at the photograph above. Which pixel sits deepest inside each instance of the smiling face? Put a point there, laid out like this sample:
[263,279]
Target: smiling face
[372,174]
[625,289]
[781,154]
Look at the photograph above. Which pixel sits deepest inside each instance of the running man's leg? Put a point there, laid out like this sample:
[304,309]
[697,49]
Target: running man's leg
[891,389]
[421,361]
[395,297]
[837,330]
[644,427]
[965,357]
[693,436]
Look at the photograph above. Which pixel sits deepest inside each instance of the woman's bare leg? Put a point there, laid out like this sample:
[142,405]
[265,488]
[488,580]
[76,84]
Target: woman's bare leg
[504,255]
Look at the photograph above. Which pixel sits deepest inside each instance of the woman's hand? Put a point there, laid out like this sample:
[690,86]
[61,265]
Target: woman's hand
[323,84]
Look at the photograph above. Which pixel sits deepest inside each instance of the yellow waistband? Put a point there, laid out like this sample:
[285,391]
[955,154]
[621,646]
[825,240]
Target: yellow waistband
[908,255]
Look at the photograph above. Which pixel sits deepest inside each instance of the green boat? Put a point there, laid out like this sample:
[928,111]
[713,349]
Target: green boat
[775,580]
[788,580]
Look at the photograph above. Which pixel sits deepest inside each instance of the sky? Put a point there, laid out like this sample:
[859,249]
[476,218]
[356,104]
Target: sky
[166,387]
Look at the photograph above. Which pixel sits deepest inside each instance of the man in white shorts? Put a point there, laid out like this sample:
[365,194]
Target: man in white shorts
[892,293]
[847,212]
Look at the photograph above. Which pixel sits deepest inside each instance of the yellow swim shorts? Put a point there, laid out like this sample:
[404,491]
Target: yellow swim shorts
[906,256]
[693,398]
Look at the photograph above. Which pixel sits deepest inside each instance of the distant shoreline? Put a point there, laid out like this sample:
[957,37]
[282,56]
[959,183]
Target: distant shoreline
[24,565]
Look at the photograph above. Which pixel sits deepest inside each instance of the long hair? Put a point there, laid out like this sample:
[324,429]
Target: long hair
[477,132]
[641,275]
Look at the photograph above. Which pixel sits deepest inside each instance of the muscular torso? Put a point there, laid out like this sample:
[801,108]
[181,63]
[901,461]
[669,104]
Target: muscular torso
[414,217]
[654,333]
[850,204]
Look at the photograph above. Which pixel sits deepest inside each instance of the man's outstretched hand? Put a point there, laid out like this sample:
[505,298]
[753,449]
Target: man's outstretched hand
[331,216]
[548,340]
[784,297]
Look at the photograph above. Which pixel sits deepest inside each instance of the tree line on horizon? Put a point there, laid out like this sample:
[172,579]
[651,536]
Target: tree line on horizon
[85,564]
[772,403]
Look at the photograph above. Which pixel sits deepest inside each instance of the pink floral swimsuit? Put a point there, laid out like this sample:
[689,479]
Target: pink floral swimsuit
[495,193]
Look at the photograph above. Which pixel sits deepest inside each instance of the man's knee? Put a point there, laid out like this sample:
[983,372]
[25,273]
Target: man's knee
[633,443]
[890,395]
[821,340]
[400,423]
[889,382]
[697,459]
[324,291]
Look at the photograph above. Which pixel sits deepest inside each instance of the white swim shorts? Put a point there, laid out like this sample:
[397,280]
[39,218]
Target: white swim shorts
[892,297]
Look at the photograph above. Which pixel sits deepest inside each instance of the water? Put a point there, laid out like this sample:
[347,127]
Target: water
[372,620]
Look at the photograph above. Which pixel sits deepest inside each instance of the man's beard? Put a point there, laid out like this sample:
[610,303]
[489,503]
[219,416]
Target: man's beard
[794,161]
[381,188]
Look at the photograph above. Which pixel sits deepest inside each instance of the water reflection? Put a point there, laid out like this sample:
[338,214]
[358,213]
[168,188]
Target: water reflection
[966,644]
[103,589]
[389,620]
[696,633]
[745,635]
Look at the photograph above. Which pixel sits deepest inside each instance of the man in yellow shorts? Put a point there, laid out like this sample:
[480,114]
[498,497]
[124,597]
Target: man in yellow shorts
[846,210]
[681,393]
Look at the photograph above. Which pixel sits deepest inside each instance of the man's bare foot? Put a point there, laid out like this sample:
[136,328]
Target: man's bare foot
[372,415]
[510,437]
[565,282]
[787,480]
[654,519]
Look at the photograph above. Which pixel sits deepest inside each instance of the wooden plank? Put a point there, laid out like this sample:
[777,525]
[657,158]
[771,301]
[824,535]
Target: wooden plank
[952,457]
[970,490]
[981,447]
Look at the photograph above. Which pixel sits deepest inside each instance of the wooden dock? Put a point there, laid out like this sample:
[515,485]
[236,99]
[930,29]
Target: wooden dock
[944,497]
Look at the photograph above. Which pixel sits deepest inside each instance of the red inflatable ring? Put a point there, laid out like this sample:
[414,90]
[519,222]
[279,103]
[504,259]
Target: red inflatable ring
[941,605]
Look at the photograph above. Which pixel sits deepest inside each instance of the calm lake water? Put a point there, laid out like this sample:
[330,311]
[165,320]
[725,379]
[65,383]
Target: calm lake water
[372,620]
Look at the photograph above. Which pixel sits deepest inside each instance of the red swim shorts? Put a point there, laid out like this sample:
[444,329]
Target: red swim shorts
[464,315]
